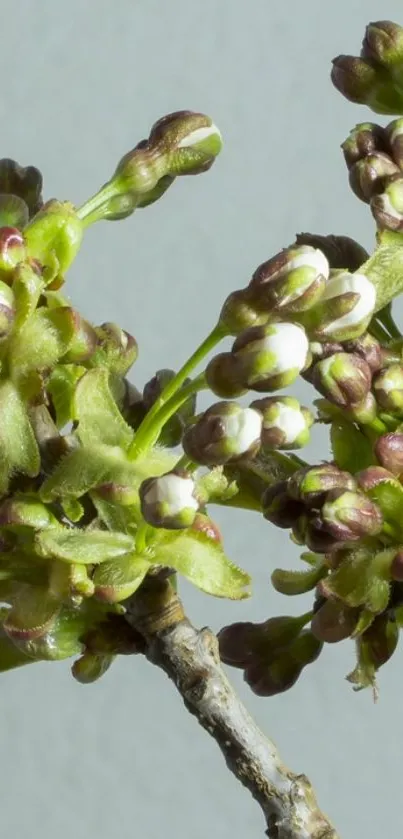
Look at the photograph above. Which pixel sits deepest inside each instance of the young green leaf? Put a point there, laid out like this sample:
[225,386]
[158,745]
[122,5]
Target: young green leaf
[297,582]
[352,451]
[86,547]
[99,418]
[80,471]
[61,387]
[118,579]
[203,562]
[43,340]
[18,448]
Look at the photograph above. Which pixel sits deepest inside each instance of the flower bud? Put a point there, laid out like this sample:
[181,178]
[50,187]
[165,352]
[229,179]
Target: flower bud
[371,477]
[7,309]
[285,423]
[363,412]
[83,342]
[279,508]
[365,139]
[239,312]
[12,251]
[172,431]
[274,678]
[345,309]
[341,252]
[311,484]
[190,141]
[369,176]
[116,349]
[389,452]
[349,516]
[334,621]
[91,667]
[54,236]
[169,501]
[394,134]
[22,182]
[315,535]
[368,348]
[383,44]
[388,389]
[292,281]
[242,642]
[114,636]
[344,378]
[224,376]
[271,357]
[224,433]
[361,81]
[387,208]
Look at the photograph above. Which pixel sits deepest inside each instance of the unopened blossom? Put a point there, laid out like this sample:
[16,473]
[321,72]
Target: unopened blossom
[169,501]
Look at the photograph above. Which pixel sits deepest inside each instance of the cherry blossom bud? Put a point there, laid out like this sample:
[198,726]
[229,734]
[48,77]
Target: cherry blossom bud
[345,309]
[368,348]
[292,281]
[190,140]
[240,311]
[225,433]
[387,208]
[389,451]
[344,378]
[169,501]
[369,176]
[350,516]
[383,44]
[365,139]
[311,484]
[224,376]
[116,349]
[285,423]
[279,508]
[271,357]
[394,133]
[361,81]
[334,621]
[388,389]
[12,251]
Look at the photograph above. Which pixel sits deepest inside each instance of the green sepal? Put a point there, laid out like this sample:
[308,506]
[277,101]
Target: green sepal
[352,451]
[202,561]
[86,547]
[18,448]
[118,579]
[297,582]
[98,416]
[61,387]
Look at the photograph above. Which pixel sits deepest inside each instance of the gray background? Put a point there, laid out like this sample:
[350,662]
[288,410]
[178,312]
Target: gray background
[81,83]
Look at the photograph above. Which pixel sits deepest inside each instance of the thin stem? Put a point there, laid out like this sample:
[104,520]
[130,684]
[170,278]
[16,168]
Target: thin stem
[89,211]
[145,430]
[378,331]
[148,433]
[385,317]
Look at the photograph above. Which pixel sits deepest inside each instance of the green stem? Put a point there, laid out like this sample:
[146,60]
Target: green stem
[148,433]
[385,317]
[89,211]
[145,431]
[378,331]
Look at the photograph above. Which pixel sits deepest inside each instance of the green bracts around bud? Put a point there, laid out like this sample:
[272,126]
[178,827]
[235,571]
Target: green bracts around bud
[54,236]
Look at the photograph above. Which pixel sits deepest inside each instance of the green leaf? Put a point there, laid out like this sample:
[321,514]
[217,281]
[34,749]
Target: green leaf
[297,582]
[203,562]
[99,418]
[43,340]
[361,580]
[27,288]
[115,517]
[88,547]
[61,387]
[18,448]
[118,579]
[73,509]
[352,451]
[389,496]
[80,471]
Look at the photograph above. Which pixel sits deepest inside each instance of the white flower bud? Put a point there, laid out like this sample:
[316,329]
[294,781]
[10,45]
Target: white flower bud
[289,345]
[360,315]
[169,501]
[242,430]
[285,423]
[200,135]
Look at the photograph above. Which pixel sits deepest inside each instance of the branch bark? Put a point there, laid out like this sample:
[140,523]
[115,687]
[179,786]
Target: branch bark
[190,658]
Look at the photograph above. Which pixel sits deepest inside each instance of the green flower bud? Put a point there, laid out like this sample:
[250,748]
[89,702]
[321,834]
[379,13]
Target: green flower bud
[361,81]
[285,423]
[383,44]
[341,252]
[315,535]
[224,433]
[311,484]
[241,643]
[292,281]
[271,357]
[349,516]
[373,476]
[365,139]
[369,176]
[116,349]
[345,309]
[380,640]
[388,389]
[270,680]
[279,508]
[7,309]
[91,667]
[363,412]
[190,141]
[14,212]
[389,452]
[239,312]
[169,501]
[54,237]
[394,134]
[25,511]
[12,251]
[224,376]
[387,208]
[344,378]
[21,182]
[83,342]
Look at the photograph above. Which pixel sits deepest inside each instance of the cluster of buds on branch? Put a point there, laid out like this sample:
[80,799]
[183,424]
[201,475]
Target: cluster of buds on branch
[106,489]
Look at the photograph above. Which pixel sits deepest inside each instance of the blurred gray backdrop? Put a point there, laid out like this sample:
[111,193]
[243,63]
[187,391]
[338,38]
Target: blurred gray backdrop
[82,83]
